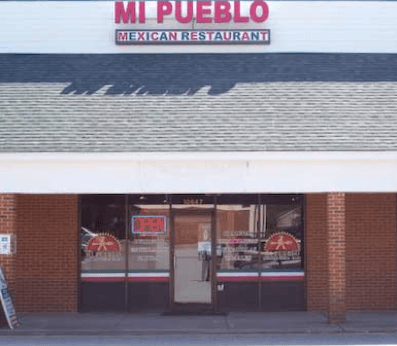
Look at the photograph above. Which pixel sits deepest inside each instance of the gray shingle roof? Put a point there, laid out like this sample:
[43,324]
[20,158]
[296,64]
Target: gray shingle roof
[278,102]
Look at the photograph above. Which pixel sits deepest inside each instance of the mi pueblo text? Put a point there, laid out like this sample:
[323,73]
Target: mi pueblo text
[186,11]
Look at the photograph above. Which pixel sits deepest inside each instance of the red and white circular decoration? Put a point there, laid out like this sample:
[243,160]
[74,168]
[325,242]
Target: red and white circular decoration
[103,242]
[281,242]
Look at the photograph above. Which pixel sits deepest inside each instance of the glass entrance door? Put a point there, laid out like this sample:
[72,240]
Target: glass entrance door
[192,256]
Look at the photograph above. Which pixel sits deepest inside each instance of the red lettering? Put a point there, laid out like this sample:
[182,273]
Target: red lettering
[193,35]
[222,12]
[154,36]
[126,15]
[259,11]
[265,35]
[141,36]
[173,35]
[227,36]
[245,36]
[210,33]
[237,14]
[163,8]
[122,36]
[142,12]
[178,12]
[202,10]
[254,11]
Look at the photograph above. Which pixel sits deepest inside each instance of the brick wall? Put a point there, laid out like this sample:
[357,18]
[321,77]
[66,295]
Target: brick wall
[316,255]
[45,265]
[371,251]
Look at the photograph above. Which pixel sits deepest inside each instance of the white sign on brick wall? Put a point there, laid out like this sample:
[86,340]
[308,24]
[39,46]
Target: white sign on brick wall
[5,244]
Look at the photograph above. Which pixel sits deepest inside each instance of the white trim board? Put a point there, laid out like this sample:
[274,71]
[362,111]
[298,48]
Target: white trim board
[285,172]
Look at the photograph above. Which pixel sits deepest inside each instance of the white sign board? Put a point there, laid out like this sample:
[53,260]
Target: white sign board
[5,244]
[296,26]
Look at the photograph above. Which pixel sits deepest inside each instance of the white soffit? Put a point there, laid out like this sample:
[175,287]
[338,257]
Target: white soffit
[269,172]
[296,26]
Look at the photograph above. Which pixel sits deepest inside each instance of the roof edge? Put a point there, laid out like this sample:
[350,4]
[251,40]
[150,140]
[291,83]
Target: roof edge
[204,156]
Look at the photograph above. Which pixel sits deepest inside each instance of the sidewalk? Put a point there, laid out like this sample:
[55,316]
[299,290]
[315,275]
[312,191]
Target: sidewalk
[112,324]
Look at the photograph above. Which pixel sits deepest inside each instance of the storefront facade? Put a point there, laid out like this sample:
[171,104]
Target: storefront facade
[252,176]
[172,267]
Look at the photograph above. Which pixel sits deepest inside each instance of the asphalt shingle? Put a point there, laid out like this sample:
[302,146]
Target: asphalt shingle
[231,102]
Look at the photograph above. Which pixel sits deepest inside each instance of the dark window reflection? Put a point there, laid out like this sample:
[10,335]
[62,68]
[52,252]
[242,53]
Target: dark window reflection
[103,235]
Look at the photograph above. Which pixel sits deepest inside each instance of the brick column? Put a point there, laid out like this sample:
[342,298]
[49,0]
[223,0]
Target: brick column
[336,257]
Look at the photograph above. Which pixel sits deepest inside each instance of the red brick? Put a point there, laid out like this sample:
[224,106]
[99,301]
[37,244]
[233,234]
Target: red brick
[45,268]
[316,254]
[370,252]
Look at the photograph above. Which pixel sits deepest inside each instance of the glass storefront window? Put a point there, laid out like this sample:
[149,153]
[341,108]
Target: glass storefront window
[237,227]
[281,241]
[253,237]
[126,248]
[103,238]
[149,239]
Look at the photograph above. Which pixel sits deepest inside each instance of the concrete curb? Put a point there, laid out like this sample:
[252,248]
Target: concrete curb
[149,333]
[381,323]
